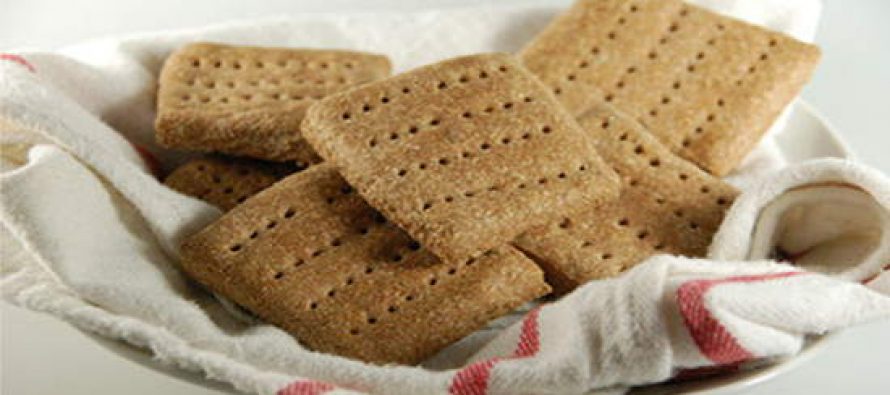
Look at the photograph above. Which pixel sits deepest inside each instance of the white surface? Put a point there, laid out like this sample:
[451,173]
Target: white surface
[41,356]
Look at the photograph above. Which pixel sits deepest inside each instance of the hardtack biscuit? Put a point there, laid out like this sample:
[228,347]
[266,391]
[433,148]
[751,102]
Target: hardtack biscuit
[707,86]
[667,205]
[226,182]
[310,256]
[249,101]
[463,154]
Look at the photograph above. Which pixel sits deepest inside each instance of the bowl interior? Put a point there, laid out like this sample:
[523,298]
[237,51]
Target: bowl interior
[806,136]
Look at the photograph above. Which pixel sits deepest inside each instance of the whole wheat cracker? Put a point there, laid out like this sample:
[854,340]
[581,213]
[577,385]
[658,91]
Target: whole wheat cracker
[226,182]
[706,85]
[310,256]
[462,154]
[667,205]
[249,101]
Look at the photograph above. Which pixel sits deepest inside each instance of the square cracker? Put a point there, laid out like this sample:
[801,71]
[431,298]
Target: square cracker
[707,86]
[463,154]
[249,101]
[667,205]
[310,256]
[226,182]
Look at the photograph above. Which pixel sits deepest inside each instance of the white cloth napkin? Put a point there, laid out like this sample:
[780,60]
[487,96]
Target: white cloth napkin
[674,316]
[89,236]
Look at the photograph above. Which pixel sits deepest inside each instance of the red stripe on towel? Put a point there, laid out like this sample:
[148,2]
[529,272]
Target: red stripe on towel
[712,338]
[18,59]
[529,337]
[306,387]
[473,379]
[875,276]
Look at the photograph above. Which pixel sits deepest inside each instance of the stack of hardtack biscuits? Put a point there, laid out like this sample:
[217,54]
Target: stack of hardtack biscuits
[384,217]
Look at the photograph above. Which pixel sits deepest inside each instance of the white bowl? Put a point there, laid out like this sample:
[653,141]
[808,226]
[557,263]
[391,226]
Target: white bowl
[807,135]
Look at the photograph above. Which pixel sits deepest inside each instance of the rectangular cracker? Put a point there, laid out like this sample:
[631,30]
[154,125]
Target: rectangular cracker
[310,256]
[249,101]
[462,154]
[667,205]
[707,86]
[226,182]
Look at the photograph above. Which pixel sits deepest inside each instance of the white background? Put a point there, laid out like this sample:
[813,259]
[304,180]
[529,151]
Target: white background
[43,356]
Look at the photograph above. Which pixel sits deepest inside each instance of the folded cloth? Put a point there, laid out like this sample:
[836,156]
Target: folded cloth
[90,236]
[670,314]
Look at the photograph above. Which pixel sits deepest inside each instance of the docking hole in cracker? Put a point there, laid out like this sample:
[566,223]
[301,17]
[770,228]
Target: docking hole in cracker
[249,101]
[706,85]
[310,256]
[667,205]
[463,154]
